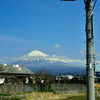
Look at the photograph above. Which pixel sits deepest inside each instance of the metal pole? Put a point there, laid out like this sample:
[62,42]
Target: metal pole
[90,50]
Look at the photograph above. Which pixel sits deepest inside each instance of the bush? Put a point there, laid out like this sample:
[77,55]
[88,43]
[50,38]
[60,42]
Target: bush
[50,88]
[4,94]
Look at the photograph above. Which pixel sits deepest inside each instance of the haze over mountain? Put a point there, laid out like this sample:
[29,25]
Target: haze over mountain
[37,60]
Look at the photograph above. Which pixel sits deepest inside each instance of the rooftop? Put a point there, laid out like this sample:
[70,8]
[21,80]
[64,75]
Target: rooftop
[14,69]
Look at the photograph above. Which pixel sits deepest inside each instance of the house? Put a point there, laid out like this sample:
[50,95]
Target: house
[60,77]
[15,78]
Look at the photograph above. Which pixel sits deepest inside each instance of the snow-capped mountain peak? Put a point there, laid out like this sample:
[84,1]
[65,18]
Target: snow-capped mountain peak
[37,60]
[37,53]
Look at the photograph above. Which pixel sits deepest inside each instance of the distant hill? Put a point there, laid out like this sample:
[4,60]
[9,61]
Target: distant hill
[37,60]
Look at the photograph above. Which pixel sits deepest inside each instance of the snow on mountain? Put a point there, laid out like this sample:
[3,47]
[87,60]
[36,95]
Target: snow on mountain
[36,60]
[37,53]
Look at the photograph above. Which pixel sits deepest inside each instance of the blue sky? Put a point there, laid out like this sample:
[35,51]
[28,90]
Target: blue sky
[51,26]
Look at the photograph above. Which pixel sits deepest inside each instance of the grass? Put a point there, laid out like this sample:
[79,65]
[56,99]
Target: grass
[8,95]
[52,96]
[78,97]
[49,96]
[97,86]
[13,99]
[82,97]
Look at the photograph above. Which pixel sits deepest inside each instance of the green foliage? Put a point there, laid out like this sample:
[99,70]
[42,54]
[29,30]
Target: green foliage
[79,97]
[50,88]
[97,98]
[14,99]
[1,94]
[82,97]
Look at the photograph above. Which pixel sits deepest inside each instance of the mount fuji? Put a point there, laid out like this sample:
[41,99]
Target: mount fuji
[37,60]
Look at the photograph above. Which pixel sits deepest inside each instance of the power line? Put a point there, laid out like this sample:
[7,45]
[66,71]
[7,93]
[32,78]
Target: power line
[94,4]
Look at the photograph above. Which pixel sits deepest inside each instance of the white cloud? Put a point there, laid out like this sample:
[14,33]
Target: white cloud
[56,45]
[1,60]
[77,60]
[98,55]
[65,59]
[10,39]
[83,51]
[8,59]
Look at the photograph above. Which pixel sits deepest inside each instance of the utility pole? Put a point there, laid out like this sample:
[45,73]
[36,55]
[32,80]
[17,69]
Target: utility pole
[90,50]
[90,59]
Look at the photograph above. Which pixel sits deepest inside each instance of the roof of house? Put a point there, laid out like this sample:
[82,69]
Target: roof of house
[14,69]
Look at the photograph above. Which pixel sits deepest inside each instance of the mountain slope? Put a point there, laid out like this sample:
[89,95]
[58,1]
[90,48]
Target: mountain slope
[36,60]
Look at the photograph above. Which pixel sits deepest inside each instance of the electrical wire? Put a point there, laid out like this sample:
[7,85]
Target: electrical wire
[93,8]
[94,4]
